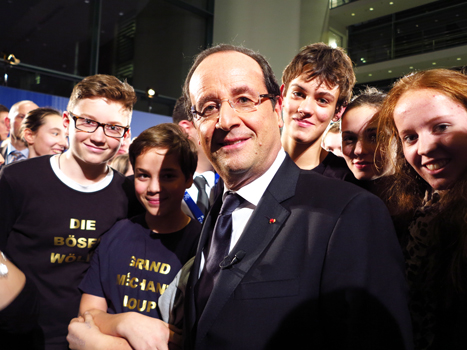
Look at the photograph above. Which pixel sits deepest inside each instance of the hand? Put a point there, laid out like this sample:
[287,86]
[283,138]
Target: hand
[78,331]
[144,332]
[83,334]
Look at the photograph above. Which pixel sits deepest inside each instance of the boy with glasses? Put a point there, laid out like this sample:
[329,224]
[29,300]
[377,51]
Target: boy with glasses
[54,209]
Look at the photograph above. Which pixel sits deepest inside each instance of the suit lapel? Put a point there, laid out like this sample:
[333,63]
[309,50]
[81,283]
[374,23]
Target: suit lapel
[264,224]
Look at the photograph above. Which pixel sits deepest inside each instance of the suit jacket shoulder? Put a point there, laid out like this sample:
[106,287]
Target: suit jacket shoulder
[318,262]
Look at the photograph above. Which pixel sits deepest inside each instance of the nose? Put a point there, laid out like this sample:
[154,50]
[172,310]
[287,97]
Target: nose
[98,135]
[360,148]
[228,117]
[425,144]
[306,106]
[154,185]
[62,141]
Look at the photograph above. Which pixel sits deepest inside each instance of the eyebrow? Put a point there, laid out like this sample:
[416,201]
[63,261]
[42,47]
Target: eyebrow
[87,116]
[297,85]
[241,89]
[234,91]
[327,93]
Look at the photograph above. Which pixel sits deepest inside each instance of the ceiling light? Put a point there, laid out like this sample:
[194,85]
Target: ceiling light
[389,71]
[391,3]
[411,67]
[434,63]
[370,75]
[371,8]
[458,58]
[150,92]
[353,14]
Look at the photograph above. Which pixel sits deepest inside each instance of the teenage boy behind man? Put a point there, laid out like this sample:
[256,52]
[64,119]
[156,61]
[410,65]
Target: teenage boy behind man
[54,209]
[145,253]
[316,87]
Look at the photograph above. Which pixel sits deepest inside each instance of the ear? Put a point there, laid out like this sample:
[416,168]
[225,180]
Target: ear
[282,91]
[278,111]
[7,123]
[66,123]
[186,125]
[339,113]
[127,134]
[29,136]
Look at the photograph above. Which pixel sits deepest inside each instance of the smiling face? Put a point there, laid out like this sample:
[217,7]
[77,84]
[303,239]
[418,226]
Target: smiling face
[359,142]
[308,108]
[240,145]
[96,147]
[48,139]
[433,131]
[159,182]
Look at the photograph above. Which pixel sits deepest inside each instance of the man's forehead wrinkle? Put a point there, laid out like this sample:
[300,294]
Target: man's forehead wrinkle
[223,87]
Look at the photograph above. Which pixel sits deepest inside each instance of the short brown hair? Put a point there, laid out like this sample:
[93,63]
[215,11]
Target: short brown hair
[180,112]
[330,65]
[103,86]
[269,79]
[167,136]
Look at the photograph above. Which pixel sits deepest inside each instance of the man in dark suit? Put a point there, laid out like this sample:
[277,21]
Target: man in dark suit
[310,262]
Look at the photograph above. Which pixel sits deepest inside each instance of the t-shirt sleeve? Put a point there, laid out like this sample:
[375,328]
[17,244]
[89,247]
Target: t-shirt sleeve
[91,283]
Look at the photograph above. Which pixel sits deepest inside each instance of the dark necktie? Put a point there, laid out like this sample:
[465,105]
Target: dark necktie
[16,155]
[203,200]
[218,249]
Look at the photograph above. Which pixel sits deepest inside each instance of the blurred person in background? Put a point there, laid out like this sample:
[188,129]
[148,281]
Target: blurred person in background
[44,133]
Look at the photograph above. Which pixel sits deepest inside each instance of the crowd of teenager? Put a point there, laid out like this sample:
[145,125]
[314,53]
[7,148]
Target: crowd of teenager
[102,237]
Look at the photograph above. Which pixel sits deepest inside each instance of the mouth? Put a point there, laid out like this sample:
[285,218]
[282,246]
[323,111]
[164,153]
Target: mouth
[436,165]
[153,202]
[362,164]
[233,143]
[58,150]
[303,122]
[95,149]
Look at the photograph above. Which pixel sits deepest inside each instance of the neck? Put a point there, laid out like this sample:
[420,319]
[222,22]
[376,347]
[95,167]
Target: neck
[79,171]
[170,223]
[203,165]
[17,143]
[32,152]
[306,156]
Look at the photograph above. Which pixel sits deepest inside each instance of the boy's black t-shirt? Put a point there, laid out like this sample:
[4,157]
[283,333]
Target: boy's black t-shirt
[133,266]
[50,231]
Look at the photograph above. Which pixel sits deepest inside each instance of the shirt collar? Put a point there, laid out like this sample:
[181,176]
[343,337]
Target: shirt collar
[208,175]
[11,148]
[253,191]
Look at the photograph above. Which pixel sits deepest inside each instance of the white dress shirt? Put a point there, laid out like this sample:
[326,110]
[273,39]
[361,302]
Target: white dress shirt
[252,194]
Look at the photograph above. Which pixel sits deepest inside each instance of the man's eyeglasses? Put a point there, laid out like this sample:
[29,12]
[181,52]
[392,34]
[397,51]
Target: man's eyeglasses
[90,126]
[242,104]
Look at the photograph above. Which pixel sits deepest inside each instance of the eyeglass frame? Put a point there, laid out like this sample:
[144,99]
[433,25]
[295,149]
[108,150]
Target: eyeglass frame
[75,118]
[200,116]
